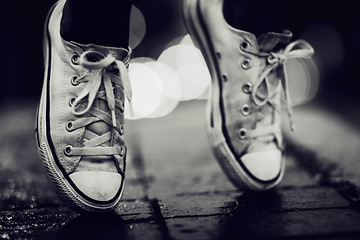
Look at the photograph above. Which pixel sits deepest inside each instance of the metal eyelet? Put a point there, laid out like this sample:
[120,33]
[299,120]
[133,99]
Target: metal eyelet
[242,133]
[122,107]
[75,59]
[74,81]
[218,55]
[247,88]
[121,129]
[67,150]
[69,126]
[245,64]
[244,45]
[122,151]
[245,110]
[71,101]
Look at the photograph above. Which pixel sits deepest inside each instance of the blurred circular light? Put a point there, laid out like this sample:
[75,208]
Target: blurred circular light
[192,76]
[194,80]
[328,44]
[137,27]
[145,93]
[164,75]
[148,99]
[187,40]
[303,80]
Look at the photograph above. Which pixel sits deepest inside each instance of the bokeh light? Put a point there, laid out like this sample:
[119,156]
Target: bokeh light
[303,80]
[180,74]
[329,47]
[137,27]
[192,76]
[148,100]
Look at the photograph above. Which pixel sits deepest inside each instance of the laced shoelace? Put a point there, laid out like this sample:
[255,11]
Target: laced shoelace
[99,72]
[296,49]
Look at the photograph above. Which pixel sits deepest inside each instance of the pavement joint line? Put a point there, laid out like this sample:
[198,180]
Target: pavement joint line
[283,188]
[307,160]
[245,212]
[207,193]
[292,210]
[159,218]
[140,170]
[329,236]
[35,208]
[125,221]
[303,187]
[139,166]
[143,199]
[139,220]
[46,206]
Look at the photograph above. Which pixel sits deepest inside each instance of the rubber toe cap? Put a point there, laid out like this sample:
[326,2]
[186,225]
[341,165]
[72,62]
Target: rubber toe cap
[265,165]
[97,185]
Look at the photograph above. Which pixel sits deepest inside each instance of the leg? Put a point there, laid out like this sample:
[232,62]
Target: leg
[258,16]
[104,22]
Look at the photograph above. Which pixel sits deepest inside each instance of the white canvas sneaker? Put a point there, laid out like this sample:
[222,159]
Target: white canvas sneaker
[80,119]
[248,79]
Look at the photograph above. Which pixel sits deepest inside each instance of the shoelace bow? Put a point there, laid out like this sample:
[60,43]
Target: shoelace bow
[99,73]
[296,49]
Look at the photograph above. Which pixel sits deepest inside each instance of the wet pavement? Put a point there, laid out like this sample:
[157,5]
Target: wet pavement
[176,190]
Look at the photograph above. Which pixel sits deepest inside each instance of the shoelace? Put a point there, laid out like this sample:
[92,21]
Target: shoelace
[296,49]
[99,73]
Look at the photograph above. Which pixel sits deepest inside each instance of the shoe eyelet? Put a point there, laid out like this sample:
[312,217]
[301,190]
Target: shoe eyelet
[242,133]
[224,78]
[245,110]
[218,55]
[247,88]
[75,59]
[122,107]
[244,45]
[69,126]
[122,151]
[74,81]
[71,101]
[68,150]
[245,64]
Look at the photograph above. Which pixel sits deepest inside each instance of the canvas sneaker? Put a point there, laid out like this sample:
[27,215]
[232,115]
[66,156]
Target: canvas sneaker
[248,82]
[80,119]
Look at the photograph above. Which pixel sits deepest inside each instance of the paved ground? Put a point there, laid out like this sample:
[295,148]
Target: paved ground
[176,190]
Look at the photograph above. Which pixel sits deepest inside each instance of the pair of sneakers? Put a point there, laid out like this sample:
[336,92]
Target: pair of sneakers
[80,119]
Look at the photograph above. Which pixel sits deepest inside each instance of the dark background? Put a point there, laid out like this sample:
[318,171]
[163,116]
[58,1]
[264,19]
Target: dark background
[332,27]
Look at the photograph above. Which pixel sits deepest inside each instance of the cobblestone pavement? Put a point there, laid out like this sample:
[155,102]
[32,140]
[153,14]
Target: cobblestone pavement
[176,190]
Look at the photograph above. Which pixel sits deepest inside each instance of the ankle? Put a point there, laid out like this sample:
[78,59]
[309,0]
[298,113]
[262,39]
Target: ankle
[105,24]
[257,16]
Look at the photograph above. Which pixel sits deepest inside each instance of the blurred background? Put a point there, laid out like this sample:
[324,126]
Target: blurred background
[331,27]
[167,69]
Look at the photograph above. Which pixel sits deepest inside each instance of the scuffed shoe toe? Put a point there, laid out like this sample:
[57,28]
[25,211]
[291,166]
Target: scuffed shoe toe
[97,185]
[265,165]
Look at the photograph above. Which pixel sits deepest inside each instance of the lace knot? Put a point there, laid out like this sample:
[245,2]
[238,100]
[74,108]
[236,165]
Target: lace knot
[296,49]
[98,65]
[276,58]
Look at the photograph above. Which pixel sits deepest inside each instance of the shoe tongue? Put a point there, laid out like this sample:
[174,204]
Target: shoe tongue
[100,127]
[268,42]
[121,54]
[272,41]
